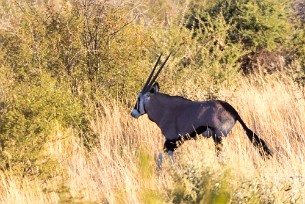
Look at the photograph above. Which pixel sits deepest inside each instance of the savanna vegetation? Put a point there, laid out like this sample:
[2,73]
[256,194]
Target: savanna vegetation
[71,70]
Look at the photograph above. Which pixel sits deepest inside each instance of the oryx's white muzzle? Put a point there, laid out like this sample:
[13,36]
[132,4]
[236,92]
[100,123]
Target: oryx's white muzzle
[135,113]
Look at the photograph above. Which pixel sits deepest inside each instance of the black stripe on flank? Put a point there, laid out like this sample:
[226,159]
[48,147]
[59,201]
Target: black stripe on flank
[172,145]
[198,131]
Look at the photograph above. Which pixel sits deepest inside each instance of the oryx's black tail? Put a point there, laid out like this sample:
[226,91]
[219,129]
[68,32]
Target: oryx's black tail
[264,150]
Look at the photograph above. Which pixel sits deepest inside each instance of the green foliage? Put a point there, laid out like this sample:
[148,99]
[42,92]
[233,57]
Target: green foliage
[80,43]
[259,27]
[298,47]
[146,168]
[256,24]
[151,197]
[204,61]
[203,186]
[264,24]
[31,111]
[55,56]
[145,164]
[217,59]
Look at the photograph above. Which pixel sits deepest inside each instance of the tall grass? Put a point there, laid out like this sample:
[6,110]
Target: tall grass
[121,167]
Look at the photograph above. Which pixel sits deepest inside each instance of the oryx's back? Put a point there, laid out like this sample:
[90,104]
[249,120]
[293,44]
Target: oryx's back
[215,115]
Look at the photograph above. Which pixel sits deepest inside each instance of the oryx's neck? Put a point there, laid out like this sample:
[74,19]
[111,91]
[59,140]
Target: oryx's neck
[161,106]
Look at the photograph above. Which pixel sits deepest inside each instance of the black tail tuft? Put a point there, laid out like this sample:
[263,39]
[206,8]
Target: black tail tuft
[264,150]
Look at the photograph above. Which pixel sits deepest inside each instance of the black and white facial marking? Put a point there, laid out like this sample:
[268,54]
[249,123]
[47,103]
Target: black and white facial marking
[143,98]
[139,109]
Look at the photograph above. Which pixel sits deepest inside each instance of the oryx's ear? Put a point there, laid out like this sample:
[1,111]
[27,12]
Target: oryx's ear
[154,88]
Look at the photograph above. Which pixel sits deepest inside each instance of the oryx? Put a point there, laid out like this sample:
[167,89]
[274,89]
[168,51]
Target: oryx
[180,119]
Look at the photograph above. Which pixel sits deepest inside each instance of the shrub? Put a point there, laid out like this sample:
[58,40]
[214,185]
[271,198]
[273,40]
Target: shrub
[259,26]
[31,111]
[94,46]
[204,61]
[202,186]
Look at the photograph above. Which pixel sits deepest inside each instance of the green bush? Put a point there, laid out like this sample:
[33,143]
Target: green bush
[202,186]
[203,61]
[260,27]
[91,45]
[30,112]
[257,24]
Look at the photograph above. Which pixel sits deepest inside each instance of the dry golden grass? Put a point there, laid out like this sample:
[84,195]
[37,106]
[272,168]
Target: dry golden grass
[121,168]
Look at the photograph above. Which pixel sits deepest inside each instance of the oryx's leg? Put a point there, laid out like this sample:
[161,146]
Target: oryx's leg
[159,162]
[171,156]
[160,158]
[169,148]
[218,144]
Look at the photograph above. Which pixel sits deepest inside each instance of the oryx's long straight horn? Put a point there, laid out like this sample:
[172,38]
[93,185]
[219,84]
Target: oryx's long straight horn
[151,74]
[158,72]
